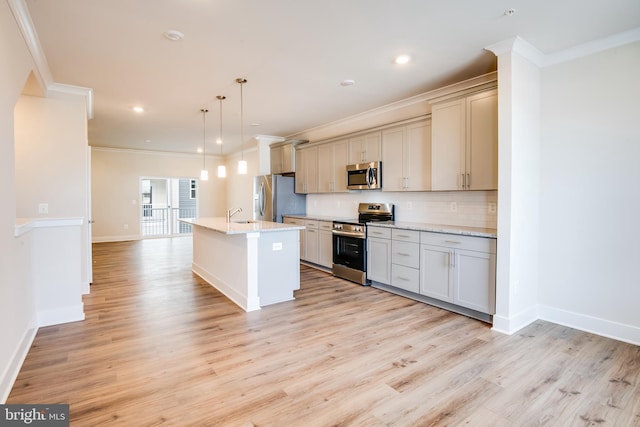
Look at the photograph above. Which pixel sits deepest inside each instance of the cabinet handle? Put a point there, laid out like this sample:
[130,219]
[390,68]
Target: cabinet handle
[468,181]
[403,235]
[375,232]
[454,242]
[402,254]
[402,278]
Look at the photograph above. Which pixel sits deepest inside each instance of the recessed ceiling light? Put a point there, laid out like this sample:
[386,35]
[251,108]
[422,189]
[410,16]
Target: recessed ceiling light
[173,35]
[347,82]
[138,109]
[402,59]
[199,150]
[147,140]
[510,12]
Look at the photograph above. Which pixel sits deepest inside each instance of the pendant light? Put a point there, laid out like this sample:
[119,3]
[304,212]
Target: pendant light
[242,164]
[204,173]
[222,169]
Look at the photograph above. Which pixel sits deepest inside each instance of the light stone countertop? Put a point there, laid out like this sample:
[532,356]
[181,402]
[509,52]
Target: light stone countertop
[221,225]
[440,228]
[318,217]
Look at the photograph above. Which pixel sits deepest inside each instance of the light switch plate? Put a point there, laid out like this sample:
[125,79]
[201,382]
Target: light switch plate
[43,208]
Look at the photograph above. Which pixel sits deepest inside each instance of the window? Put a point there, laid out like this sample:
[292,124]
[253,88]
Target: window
[193,189]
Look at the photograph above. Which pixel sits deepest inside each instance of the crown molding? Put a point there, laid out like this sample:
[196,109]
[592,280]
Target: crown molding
[85,92]
[530,52]
[407,102]
[41,69]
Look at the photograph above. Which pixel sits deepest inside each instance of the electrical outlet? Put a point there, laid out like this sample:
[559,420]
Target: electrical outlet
[453,207]
[277,246]
[43,208]
[491,208]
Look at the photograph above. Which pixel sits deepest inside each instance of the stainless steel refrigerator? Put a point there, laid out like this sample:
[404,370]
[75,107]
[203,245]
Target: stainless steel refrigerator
[274,196]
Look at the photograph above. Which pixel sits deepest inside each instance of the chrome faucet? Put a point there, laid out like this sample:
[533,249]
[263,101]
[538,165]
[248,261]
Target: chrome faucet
[232,212]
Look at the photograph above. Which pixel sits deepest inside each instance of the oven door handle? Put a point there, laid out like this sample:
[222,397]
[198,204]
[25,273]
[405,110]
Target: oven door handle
[348,234]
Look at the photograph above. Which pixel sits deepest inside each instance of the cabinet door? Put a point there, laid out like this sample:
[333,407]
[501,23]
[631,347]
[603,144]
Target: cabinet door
[311,165]
[448,142]
[356,150]
[482,141]
[325,248]
[406,278]
[301,172]
[373,147]
[436,273]
[325,168]
[393,177]
[297,221]
[475,280]
[379,260]
[340,162]
[276,160]
[417,157]
[311,245]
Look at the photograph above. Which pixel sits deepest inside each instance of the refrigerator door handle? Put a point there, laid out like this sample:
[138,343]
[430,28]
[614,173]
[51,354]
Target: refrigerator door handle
[262,199]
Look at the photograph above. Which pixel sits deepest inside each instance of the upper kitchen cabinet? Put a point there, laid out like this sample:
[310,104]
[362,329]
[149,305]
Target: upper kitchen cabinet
[332,163]
[307,170]
[283,157]
[406,157]
[365,148]
[464,145]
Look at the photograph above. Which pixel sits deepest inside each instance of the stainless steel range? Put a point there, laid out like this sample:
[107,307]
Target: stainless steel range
[350,244]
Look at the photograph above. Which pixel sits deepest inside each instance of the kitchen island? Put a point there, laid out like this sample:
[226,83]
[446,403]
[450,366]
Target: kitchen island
[253,263]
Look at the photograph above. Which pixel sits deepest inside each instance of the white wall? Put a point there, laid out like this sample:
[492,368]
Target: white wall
[17,305]
[590,194]
[115,187]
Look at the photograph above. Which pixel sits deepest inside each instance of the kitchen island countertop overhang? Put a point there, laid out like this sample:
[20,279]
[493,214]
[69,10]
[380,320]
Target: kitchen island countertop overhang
[253,263]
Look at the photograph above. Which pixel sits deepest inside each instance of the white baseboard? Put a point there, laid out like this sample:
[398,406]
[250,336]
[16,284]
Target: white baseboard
[11,372]
[595,325]
[226,289]
[105,239]
[57,316]
[511,325]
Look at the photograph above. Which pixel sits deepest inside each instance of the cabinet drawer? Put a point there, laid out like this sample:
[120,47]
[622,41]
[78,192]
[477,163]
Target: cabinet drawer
[405,253]
[311,223]
[296,221]
[380,232]
[470,243]
[406,278]
[325,225]
[405,235]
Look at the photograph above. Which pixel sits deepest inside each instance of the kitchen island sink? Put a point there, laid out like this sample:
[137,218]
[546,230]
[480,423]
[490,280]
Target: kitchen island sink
[253,263]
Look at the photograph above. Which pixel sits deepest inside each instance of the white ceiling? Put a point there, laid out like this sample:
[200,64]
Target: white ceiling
[294,54]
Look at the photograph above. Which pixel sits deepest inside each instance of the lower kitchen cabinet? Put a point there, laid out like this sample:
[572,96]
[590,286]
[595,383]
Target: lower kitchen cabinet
[311,241]
[325,244]
[379,254]
[459,269]
[456,269]
[297,221]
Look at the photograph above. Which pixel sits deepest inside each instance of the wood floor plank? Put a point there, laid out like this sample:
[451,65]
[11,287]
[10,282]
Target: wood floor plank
[161,347]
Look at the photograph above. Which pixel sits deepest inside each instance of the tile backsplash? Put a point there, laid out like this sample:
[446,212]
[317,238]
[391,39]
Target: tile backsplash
[463,208]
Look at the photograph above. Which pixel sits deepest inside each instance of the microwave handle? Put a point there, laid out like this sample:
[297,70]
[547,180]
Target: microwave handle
[371,176]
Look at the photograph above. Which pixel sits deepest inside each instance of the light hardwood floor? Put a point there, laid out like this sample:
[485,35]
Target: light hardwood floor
[160,346]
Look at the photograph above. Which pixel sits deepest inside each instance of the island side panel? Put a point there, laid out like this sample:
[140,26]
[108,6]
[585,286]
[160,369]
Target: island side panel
[278,266]
[221,260]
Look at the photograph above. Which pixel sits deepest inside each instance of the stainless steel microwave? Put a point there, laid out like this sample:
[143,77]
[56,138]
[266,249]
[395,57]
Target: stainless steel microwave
[364,176]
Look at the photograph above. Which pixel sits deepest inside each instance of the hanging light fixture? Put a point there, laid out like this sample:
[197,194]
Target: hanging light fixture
[242,164]
[204,173]
[222,169]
